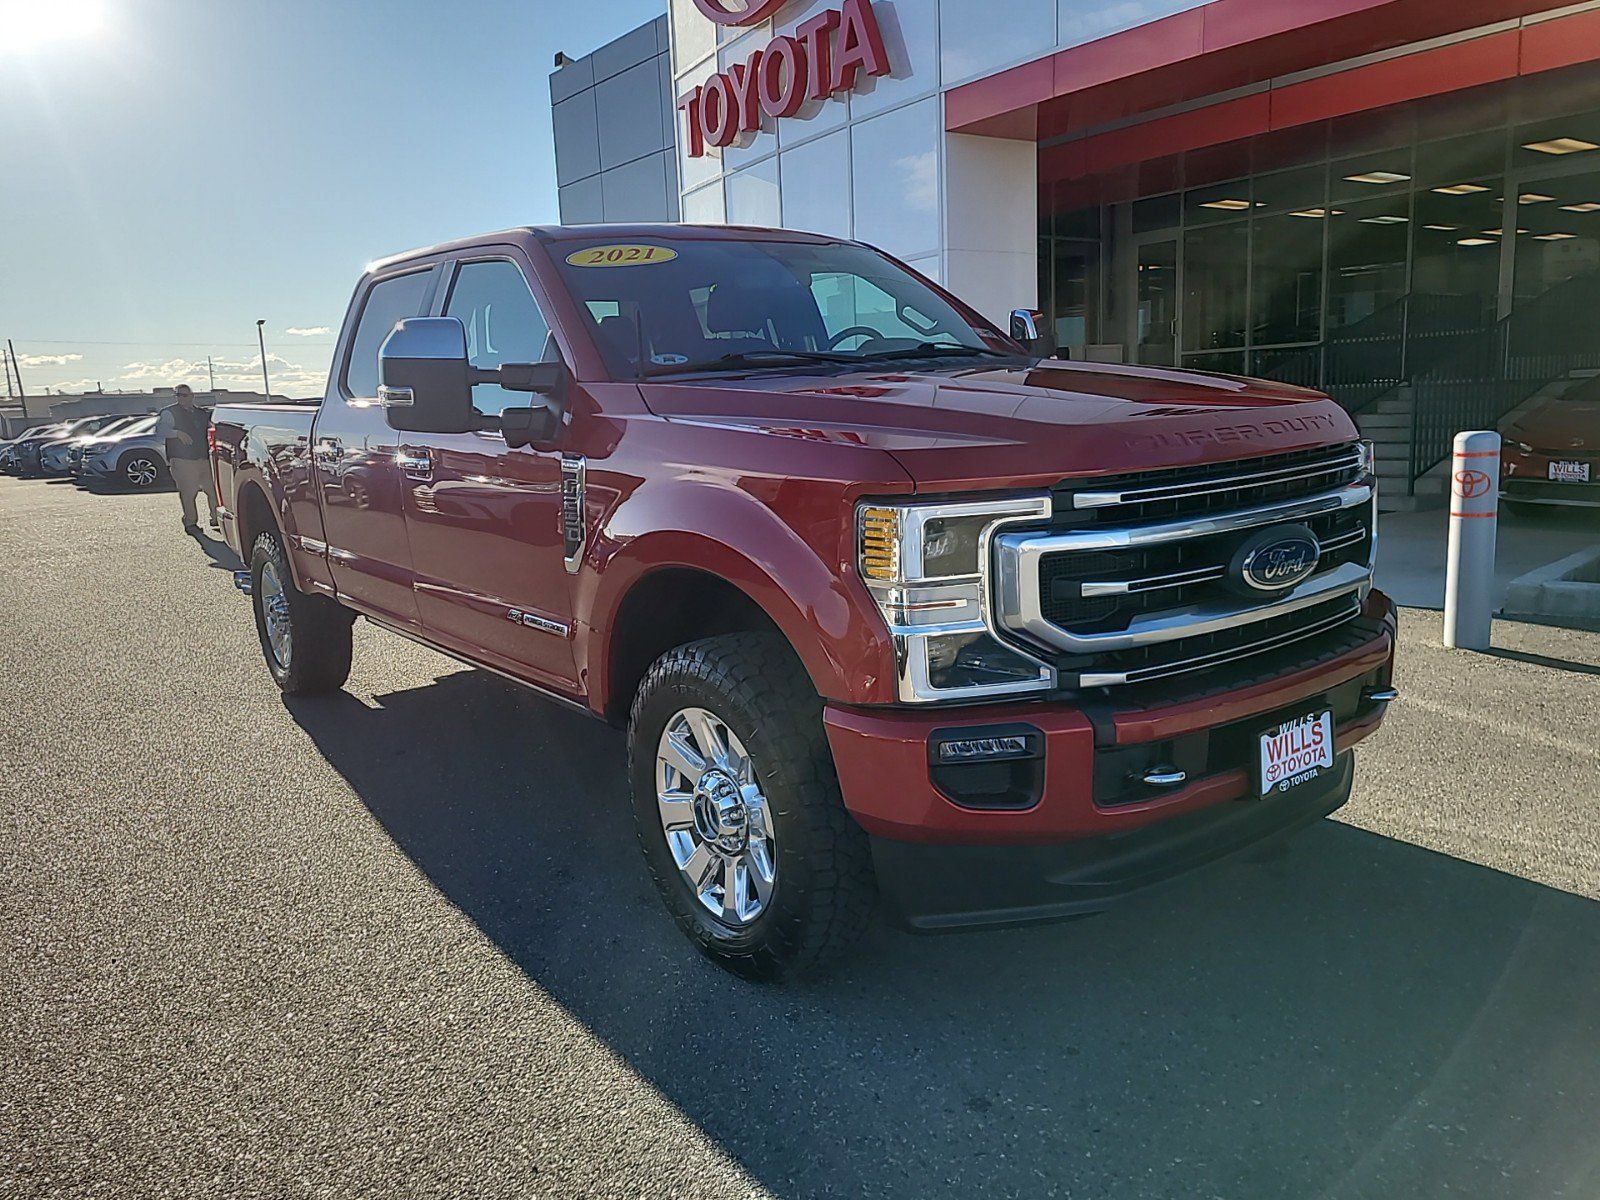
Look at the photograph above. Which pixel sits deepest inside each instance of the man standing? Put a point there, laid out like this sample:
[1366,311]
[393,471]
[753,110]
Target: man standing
[184,426]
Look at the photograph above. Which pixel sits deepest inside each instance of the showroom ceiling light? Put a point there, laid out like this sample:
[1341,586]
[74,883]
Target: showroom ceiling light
[1443,228]
[1386,219]
[1533,198]
[1461,189]
[1231,205]
[1475,241]
[1378,177]
[1586,207]
[1561,145]
[1553,237]
[1318,212]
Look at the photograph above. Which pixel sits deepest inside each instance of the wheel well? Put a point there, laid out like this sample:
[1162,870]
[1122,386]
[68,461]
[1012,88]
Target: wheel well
[253,515]
[668,608]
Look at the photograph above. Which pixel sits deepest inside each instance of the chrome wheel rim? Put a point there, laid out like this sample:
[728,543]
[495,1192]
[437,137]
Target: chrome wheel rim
[275,611]
[716,819]
[141,472]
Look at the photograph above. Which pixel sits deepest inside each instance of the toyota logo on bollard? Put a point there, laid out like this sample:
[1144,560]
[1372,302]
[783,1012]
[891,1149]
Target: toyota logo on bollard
[730,12]
[1472,484]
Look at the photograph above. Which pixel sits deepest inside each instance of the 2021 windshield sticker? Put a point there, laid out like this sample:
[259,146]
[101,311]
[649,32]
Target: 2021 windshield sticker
[620,255]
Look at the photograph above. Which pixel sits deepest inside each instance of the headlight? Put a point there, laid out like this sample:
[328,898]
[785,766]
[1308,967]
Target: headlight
[924,565]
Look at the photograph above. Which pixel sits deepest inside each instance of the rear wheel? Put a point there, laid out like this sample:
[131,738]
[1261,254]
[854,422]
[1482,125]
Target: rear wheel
[738,810]
[139,469]
[306,640]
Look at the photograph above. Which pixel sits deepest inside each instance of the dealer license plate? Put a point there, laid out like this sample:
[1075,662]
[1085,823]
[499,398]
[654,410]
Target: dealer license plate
[1563,471]
[1296,752]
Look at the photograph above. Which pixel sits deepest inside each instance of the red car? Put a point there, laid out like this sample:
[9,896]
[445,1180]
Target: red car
[892,607]
[1550,454]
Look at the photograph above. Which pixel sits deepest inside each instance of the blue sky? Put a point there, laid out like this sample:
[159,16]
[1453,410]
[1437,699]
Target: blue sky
[171,170]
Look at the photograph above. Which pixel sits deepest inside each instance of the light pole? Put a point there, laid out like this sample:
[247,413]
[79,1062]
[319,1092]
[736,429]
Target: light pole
[261,337]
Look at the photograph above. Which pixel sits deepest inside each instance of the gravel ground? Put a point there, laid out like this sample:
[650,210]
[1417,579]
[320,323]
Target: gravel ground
[398,942]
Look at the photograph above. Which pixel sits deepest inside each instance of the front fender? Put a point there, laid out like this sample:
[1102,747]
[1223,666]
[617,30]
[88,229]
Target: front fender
[808,590]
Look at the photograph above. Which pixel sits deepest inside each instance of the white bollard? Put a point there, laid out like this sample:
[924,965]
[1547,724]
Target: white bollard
[1474,508]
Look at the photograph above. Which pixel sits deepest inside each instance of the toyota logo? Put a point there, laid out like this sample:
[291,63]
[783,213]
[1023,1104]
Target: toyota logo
[732,12]
[1471,484]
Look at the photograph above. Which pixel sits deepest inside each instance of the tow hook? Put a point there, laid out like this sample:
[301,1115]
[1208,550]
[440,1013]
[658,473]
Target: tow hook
[242,580]
[1380,695]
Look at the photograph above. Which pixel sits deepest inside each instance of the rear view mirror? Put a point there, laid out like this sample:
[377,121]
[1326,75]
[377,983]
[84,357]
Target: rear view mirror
[425,383]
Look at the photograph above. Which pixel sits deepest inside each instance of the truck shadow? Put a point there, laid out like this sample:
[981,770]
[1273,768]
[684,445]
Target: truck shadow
[1355,1016]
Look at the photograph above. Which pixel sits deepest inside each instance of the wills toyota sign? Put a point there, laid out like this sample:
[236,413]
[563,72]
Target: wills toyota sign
[829,53]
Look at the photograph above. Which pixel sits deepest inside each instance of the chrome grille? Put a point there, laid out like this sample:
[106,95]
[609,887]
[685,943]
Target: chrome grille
[1214,487]
[1116,595]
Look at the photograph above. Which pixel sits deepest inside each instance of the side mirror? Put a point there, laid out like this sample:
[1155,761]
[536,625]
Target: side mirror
[1029,327]
[425,383]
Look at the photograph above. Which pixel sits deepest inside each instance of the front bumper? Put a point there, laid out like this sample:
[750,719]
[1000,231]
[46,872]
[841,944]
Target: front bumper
[931,888]
[1094,754]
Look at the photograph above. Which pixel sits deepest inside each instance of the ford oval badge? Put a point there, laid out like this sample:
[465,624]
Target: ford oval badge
[1274,560]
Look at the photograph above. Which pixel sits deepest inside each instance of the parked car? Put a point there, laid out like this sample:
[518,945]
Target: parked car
[11,451]
[30,450]
[87,448]
[1550,454]
[55,458]
[891,606]
[137,458]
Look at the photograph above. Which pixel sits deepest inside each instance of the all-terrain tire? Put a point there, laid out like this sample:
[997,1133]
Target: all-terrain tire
[823,890]
[319,628]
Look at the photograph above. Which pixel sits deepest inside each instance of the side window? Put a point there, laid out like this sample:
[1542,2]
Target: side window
[503,323]
[388,303]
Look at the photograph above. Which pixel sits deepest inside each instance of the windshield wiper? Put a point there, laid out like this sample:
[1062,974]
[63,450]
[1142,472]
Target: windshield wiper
[752,358]
[941,350]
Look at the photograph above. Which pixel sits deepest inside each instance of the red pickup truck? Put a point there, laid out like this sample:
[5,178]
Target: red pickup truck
[895,609]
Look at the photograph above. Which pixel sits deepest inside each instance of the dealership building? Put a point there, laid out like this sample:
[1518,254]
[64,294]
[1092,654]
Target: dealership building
[1397,201]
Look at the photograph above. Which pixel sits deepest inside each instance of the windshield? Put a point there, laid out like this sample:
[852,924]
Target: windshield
[142,425]
[672,306]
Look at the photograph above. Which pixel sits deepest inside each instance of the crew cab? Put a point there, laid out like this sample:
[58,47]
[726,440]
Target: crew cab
[900,614]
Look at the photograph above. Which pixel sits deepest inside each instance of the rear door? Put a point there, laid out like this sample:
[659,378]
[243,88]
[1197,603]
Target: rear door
[357,480]
[484,519]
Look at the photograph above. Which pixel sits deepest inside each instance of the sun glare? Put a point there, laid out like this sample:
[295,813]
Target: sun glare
[29,25]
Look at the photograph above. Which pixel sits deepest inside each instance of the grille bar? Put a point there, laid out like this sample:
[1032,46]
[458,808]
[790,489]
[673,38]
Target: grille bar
[1201,661]
[1216,484]
[1152,583]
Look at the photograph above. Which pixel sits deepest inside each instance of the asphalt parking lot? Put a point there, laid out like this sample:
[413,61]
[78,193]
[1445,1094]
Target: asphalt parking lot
[399,942]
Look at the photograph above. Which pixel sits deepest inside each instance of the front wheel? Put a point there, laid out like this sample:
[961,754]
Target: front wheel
[306,640]
[738,810]
[139,470]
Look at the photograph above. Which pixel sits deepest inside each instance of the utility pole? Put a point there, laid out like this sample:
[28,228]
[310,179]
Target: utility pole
[22,394]
[212,375]
[262,338]
[11,395]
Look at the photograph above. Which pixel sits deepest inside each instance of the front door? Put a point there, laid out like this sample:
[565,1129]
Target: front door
[1156,303]
[485,520]
[353,463]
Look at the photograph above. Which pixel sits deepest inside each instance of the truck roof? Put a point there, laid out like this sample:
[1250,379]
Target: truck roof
[563,233]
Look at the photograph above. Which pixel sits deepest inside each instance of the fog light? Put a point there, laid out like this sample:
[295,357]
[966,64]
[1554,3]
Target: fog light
[985,749]
[991,766]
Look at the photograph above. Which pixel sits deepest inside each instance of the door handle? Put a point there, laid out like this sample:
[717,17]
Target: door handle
[415,464]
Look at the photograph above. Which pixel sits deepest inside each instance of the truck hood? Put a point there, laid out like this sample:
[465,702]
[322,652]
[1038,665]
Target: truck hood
[1018,426]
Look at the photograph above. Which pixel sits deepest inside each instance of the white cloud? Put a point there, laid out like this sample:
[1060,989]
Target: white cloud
[47,360]
[309,330]
[238,375]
